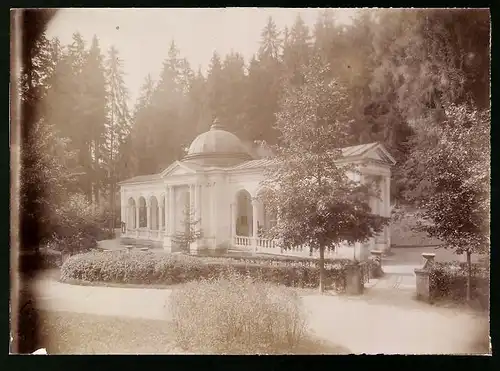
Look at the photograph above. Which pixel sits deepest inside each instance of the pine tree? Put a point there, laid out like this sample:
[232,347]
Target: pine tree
[233,86]
[118,125]
[142,136]
[93,114]
[191,232]
[168,104]
[296,51]
[270,45]
[196,117]
[215,83]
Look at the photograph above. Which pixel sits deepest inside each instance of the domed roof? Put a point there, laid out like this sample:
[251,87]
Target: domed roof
[217,147]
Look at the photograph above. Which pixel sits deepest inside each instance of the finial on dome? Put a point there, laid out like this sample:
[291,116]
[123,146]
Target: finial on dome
[216,125]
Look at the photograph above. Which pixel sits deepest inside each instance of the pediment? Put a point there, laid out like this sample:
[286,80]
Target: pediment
[379,154]
[375,152]
[177,168]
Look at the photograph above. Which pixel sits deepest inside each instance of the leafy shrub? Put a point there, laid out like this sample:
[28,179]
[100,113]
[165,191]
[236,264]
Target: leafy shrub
[152,268]
[449,281]
[77,226]
[237,315]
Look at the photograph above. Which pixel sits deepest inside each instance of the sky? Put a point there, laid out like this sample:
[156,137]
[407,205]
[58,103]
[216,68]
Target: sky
[143,36]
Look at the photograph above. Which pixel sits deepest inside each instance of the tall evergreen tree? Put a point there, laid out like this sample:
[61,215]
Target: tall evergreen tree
[296,51]
[233,94]
[197,115]
[93,115]
[142,135]
[215,87]
[118,124]
[271,44]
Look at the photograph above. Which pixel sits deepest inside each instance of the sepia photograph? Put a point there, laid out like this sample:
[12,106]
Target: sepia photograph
[241,181]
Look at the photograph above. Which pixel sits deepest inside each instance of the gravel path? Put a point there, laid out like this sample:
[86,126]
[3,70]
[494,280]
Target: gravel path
[386,319]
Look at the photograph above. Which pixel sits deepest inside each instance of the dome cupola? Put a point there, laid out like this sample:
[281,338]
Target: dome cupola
[217,147]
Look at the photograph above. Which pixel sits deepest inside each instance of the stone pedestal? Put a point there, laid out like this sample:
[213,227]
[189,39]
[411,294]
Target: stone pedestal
[422,278]
[423,284]
[354,280]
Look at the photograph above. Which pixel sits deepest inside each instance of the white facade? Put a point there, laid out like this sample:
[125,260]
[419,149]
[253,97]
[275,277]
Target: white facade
[221,183]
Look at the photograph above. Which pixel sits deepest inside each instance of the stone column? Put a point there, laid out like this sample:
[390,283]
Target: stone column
[171,208]
[160,214]
[148,218]
[169,219]
[126,212]
[165,212]
[234,216]
[130,217]
[213,213]
[137,211]
[255,217]
[193,209]
[123,210]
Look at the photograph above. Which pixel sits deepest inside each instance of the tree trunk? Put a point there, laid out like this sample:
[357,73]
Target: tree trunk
[322,269]
[469,275]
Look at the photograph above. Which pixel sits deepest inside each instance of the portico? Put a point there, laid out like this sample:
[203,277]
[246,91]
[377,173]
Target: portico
[220,182]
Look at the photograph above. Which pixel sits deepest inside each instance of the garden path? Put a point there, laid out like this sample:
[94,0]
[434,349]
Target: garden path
[386,319]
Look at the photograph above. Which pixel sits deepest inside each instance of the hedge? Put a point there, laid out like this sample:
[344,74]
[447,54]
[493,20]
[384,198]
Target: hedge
[165,269]
[449,281]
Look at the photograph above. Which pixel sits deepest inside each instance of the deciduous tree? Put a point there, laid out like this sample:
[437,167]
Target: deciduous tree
[448,175]
[316,201]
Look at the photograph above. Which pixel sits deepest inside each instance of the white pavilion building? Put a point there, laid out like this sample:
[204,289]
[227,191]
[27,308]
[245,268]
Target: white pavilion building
[220,181]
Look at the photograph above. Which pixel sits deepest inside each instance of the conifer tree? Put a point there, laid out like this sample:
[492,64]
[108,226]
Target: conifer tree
[118,124]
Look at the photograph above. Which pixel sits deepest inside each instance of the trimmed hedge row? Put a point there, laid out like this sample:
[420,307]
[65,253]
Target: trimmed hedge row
[449,281]
[164,269]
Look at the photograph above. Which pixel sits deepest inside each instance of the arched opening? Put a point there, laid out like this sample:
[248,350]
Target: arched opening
[142,213]
[154,214]
[131,222]
[244,214]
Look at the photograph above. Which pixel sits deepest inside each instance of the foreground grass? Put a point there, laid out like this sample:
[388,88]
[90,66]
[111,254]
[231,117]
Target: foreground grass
[76,333]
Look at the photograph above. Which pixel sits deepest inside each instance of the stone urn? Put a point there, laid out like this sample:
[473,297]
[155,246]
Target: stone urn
[428,259]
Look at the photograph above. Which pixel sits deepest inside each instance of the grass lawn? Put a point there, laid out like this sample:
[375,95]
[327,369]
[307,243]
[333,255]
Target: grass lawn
[76,333]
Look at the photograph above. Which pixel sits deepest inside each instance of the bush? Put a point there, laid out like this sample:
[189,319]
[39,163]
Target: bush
[237,315]
[449,281]
[152,268]
[77,226]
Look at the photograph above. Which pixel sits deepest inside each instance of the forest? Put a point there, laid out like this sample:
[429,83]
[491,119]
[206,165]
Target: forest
[411,78]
